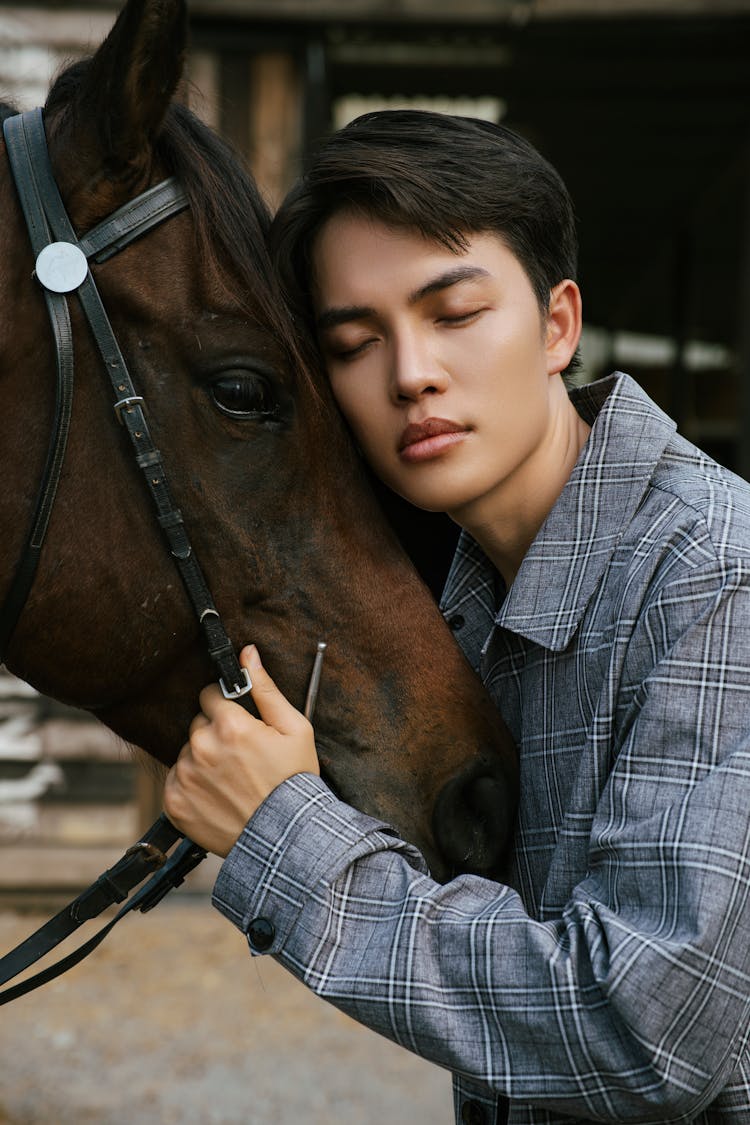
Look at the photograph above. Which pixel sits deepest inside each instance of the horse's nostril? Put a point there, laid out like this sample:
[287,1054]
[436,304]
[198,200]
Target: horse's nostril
[473,819]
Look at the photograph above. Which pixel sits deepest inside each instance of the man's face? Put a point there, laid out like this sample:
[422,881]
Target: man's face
[440,362]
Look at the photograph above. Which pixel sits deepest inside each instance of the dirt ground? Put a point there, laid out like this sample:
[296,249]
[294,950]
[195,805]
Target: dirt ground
[170,1021]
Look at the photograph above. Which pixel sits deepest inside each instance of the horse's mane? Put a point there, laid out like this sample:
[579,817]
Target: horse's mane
[230,218]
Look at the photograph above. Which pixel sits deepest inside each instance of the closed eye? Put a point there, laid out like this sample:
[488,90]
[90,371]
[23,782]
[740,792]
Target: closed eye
[460,318]
[343,354]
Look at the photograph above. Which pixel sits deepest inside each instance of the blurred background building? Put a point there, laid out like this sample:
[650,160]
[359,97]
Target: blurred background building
[642,105]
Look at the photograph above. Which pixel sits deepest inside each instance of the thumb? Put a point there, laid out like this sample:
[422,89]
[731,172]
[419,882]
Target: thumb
[274,708]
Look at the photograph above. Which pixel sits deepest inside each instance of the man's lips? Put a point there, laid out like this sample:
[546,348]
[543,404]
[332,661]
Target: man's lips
[423,440]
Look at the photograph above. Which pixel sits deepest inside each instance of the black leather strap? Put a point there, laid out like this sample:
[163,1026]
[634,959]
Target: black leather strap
[134,219]
[57,308]
[111,887]
[141,860]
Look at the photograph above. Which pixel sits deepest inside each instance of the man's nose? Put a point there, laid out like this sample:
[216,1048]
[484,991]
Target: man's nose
[416,370]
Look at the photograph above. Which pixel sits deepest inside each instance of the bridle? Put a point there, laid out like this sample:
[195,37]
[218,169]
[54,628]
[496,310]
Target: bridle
[62,269]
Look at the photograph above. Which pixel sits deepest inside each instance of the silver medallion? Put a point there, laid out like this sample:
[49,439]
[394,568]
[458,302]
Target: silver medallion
[61,267]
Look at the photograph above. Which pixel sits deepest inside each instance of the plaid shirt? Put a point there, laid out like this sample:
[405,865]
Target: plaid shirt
[610,980]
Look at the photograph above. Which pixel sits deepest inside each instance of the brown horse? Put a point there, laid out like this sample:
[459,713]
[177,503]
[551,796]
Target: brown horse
[294,546]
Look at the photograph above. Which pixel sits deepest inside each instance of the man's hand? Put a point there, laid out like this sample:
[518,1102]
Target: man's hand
[232,761]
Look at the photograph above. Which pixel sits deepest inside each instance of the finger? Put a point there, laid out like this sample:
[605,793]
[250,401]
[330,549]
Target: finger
[174,797]
[200,720]
[185,752]
[273,707]
[211,699]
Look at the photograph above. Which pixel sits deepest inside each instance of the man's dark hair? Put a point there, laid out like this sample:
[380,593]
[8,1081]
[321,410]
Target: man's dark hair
[446,177]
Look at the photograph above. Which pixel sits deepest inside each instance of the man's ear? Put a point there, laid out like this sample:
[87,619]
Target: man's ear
[564,321]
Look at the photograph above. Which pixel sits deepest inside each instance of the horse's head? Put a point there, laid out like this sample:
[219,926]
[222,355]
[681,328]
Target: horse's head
[293,544]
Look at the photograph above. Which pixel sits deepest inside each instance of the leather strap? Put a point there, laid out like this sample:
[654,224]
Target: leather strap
[134,219]
[57,308]
[113,886]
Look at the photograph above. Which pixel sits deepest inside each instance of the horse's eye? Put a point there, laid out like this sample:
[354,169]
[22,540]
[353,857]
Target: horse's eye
[244,394]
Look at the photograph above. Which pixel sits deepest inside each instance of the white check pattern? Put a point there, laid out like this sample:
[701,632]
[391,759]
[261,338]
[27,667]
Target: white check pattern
[610,980]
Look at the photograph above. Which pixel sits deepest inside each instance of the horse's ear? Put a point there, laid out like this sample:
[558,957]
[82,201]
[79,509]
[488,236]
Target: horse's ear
[129,84]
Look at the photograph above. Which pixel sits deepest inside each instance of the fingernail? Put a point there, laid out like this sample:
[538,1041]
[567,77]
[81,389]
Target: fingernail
[254,657]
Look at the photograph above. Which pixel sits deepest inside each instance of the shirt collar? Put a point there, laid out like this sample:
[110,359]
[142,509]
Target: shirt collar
[567,559]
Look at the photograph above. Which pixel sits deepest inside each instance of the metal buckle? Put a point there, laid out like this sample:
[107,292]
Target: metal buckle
[125,402]
[152,853]
[238,691]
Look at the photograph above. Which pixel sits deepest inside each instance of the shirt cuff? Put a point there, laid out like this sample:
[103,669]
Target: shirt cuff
[299,837]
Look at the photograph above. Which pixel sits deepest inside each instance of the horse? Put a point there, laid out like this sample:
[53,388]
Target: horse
[294,546]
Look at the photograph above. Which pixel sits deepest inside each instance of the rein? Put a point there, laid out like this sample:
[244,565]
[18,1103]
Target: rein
[144,858]
[62,269]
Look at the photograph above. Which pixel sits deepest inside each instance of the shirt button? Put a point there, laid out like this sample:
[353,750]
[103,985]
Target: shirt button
[260,934]
[456,622]
[472,1113]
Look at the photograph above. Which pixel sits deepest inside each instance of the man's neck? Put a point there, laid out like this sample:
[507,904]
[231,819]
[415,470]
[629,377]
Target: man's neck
[505,521]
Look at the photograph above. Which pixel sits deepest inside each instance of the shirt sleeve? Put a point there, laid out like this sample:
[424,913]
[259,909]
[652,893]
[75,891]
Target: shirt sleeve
[634,1006]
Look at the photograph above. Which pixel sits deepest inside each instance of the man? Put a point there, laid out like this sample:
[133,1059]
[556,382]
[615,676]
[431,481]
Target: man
[602,586]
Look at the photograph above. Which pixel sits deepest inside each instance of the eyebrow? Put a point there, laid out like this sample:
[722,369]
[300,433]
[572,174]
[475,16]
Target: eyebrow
[330,318]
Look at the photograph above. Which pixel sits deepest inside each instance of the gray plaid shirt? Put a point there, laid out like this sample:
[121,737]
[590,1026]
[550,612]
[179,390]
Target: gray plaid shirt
[610,980]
